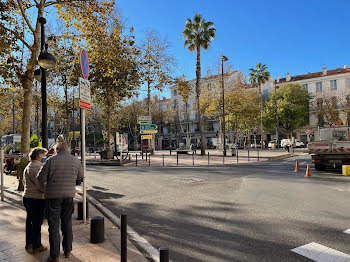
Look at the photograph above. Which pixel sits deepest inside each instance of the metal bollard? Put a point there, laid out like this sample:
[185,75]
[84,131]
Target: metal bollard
[192,159]
[97,230]
[258,156]
[163,254]
[80,210]
[163,159]
[248,156]
[208,159]
[146,156]
[170,151]
[223,158]
[149,160]
[177,159]
[123,238]
[237,155]
[2,173]
[136,159]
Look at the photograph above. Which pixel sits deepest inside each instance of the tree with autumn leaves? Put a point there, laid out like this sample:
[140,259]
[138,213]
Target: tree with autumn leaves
[20,31]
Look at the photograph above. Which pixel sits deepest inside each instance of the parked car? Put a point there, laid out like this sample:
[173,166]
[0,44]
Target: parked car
[299,143]
[257,145]
[288,142]
[272,144]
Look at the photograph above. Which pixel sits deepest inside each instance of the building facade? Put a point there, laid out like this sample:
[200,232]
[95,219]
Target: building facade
[186,130]
[326,85]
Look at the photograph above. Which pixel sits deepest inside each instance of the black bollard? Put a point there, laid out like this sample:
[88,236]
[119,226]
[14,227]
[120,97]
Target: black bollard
[123,238]
[146,156]
[163,254]
[248,156]
[170,151]
[149,160]
[223,158]
[237,155]
[177,158]
[208,159]
[97,229]
[192,159]
[80,210]
[258,156]
[163,159]
[136,159]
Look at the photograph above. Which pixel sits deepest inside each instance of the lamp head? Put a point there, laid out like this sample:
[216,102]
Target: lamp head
[42,20]
[224,58]
[37,75]
[47,60]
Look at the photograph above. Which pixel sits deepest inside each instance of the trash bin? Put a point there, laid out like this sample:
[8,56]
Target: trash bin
[233,151]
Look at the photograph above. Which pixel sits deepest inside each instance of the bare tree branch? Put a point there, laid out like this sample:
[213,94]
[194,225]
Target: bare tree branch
[20,4]
[17,36]
[36,2]
[64,2]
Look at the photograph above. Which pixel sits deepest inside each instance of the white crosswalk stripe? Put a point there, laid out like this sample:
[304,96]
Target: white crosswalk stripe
[321,253]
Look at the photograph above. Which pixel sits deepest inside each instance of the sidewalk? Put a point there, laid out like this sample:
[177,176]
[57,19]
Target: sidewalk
[12,238]
[212,158]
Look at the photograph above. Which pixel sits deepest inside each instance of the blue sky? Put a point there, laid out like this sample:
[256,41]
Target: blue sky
[289,36]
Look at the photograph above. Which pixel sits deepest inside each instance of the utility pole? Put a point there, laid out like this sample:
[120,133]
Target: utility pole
[276,112]
[73,109]
[13,115]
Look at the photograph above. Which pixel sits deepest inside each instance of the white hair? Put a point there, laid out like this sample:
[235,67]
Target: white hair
[62,146]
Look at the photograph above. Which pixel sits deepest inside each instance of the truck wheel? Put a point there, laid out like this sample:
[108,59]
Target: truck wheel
[319,167]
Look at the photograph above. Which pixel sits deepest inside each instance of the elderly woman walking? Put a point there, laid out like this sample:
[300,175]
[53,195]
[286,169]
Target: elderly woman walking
[33,200]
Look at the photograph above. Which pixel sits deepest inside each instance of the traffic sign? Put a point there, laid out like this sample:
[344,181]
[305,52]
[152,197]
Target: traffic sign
[144,118]
[145,122]
[84,64]
[84,94]
[148,127]
[148,132]
[146,137]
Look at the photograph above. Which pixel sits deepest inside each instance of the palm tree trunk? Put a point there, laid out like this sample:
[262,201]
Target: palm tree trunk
[261,117]
[198,77]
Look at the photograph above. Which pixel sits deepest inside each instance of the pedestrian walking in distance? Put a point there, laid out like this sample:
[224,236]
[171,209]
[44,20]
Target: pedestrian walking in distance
[60,174]
[33,200]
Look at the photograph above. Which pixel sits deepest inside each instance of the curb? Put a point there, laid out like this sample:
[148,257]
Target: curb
[141,243]
[280,157]
[13,192]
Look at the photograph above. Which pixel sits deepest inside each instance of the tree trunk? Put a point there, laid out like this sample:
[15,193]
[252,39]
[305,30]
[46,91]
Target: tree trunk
[67,107]
[109,133]
[261,117]
[198,90]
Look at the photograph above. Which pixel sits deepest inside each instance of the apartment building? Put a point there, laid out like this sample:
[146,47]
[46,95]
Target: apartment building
[327,84]
[187,118]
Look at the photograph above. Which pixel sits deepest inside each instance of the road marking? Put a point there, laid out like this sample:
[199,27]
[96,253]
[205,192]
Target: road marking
[347,231]
[321,253]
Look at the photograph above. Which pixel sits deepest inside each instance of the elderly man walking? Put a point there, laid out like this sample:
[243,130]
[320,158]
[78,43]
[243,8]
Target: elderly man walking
[60,174]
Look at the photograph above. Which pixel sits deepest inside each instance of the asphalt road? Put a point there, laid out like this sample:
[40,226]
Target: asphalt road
[249,212]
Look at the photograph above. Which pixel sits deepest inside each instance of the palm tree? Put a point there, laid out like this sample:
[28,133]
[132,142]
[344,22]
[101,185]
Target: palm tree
[198,34]
[259,76]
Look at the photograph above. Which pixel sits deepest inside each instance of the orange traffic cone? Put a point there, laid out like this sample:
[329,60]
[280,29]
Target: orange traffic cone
[308,171]
[297,169]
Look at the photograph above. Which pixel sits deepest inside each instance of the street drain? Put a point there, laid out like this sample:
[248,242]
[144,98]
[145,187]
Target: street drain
[189,180]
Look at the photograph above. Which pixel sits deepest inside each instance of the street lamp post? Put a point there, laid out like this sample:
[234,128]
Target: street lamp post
[46,61]
[223,59]
[276,112]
